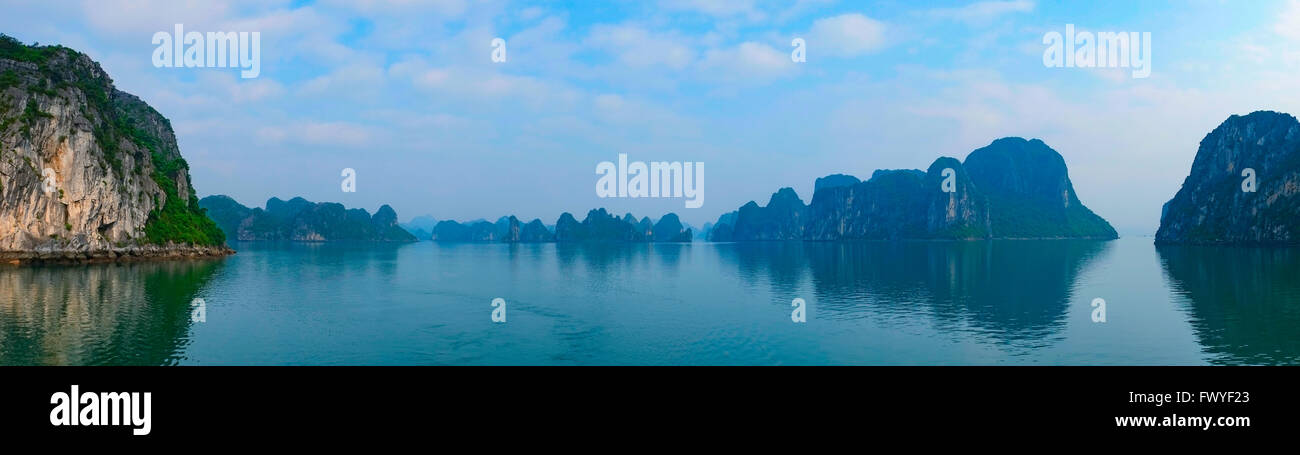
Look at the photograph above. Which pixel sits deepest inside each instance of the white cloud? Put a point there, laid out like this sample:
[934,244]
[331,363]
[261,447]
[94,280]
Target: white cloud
[359,79]
[983,12]
[145,17]
[476,85]
[448,8]
[748,63]
[1288,23]
[846,35]
[637,47]
[318,133]
[716,8]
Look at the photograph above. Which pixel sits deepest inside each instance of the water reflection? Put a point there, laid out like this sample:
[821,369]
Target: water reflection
[1013,292]
[119,314]
[1243,302]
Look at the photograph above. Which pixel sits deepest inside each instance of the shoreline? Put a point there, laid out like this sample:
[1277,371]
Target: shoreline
[126,254]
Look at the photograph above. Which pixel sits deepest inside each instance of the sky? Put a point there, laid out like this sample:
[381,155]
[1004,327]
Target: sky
[406,93]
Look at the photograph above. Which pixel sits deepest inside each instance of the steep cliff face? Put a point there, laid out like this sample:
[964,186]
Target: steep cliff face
[535,232]
[421,227]
[1030,194]
[886,206]
[568,229]
[481,231]
[670,229]
[1011,189]
[598,226]
[601,226]
[304,221]
[834,180]
[722,230]
[782,218]
[1213,206]
[963,212]
[88,171]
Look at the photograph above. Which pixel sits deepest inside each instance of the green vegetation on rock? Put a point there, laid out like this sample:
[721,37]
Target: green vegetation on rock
[181,221]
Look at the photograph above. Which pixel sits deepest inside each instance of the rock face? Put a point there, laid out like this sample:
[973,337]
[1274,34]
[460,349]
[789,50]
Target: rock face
[421,227]
[960,214]
[88,171]
[451,231]
[1013,188]
[1214,207]
[834,180]
[1030,194]
[304,221]
[721,232]
[568,229]
[783,218]
[669,229]
[598,226]
[535,232]
[601,226]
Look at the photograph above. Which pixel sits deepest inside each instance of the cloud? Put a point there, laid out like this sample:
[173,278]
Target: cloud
[716,8]
[1288,22]
[447,8]
[983,12]
[475,87]
[800,7]
[635,46]
[847,35]
[359,79]
[748,63]
[318,133]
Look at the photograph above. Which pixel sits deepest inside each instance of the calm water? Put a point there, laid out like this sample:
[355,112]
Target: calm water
[1002,302]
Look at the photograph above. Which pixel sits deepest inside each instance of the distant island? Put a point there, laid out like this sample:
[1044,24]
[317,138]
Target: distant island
[421,227]
[89,172]
[1243,187]
[598,226]
[304,221]
[1011,189]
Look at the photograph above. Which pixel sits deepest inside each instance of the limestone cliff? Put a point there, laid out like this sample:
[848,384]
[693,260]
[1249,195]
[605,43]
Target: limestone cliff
[1013,188]
[1259,152]
[300,220]
[88,172]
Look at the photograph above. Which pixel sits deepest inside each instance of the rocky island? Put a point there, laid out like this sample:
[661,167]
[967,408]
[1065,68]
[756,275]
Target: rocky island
[1011,189]
[300,220]
[1244,186]
[598,226]
[89,172]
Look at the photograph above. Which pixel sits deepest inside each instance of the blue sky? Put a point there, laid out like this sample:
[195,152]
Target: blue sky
[405,92]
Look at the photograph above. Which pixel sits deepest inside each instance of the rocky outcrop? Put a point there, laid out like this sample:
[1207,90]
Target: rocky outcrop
[833,181]
[721,232]
[88,171]
[1260,152]
[783,218]
[452,231]
[598,226]
[301,220]
[1013,188]
[568,229]
[1030,194]
[601,226]
[421,227]
[669,229]
[962,213]
[535,232]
